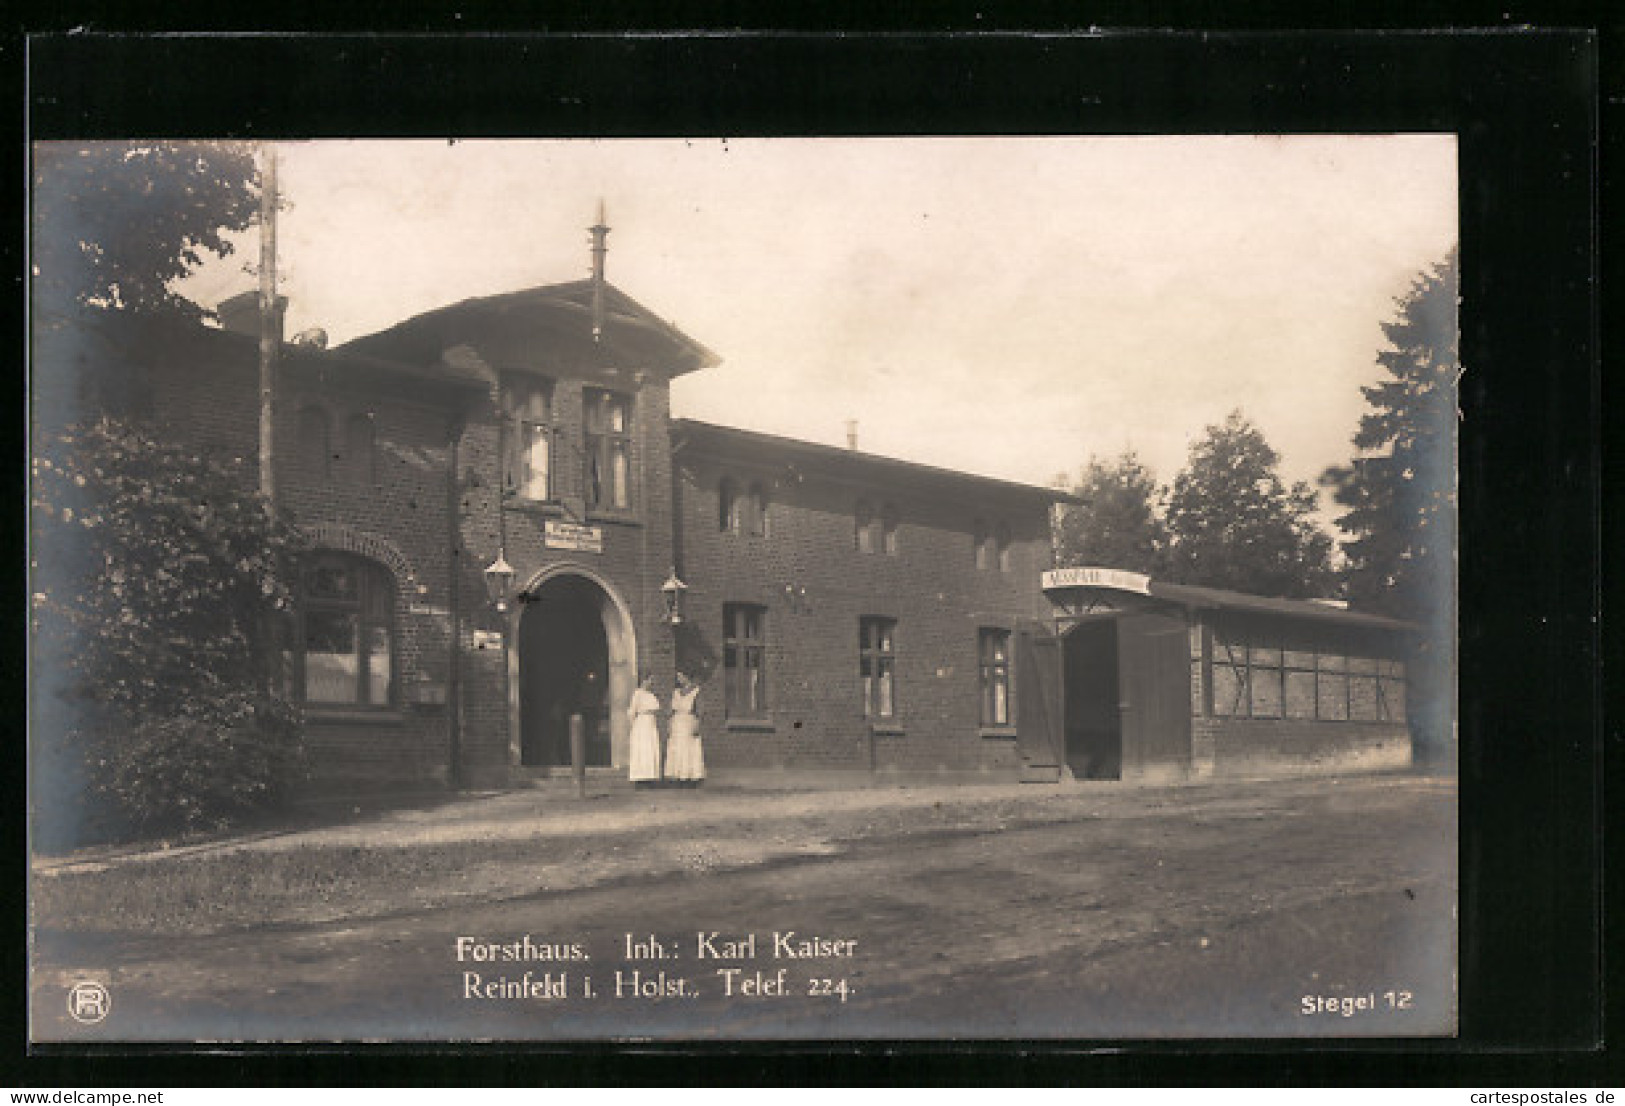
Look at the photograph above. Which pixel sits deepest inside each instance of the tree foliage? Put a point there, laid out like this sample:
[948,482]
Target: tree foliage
[156,577]
[1399,487]
[1233,523]
[116,224]
[1117,525]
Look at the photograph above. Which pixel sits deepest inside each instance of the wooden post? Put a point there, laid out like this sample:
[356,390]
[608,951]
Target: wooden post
[270,336]
[578,753]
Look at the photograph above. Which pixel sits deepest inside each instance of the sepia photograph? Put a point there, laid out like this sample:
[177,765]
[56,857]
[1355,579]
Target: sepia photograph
[743,589]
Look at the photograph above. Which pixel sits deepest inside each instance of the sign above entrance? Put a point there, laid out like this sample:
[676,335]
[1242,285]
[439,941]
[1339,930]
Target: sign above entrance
[1097,578]
[568,535]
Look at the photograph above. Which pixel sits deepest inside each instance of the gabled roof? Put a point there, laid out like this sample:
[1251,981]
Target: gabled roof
[752,445]
[548,317]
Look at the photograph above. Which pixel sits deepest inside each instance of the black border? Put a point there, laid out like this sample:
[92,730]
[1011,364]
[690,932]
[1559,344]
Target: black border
[1525,105]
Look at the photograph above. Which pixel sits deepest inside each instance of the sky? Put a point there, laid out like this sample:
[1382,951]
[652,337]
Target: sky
[1005,306]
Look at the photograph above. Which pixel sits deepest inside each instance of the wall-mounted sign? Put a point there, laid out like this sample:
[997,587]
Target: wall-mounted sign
[1097,578]
[568,535]
[487,639]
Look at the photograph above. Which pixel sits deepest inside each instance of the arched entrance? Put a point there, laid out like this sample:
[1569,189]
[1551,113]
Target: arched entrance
[576,654]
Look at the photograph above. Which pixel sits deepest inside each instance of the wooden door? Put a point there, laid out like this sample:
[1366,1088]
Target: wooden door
[1154,676]
[1039,704]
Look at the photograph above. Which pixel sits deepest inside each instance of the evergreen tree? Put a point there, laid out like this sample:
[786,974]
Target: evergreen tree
[1232,522]
[1399,487]
[1116,526]
[1399,491]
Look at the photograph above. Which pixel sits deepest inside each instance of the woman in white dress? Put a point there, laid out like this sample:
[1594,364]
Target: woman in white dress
[685,756]
[644,709]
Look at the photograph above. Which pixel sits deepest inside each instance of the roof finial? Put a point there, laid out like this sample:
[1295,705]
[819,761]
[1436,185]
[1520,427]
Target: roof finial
[600,232]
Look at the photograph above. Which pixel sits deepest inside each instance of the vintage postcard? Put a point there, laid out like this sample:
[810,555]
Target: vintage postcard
[748,589]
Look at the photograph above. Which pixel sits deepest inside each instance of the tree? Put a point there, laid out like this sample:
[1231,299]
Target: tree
[1399,491]
[157,572]
[1233,523]
[1399,487]
[153,575]
[116,224]
[1117,525]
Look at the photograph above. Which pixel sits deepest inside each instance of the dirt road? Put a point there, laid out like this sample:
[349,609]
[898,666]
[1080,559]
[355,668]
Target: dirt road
[1295,908]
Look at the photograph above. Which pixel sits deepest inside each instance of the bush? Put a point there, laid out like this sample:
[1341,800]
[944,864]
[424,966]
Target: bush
[160,580]
[194,770]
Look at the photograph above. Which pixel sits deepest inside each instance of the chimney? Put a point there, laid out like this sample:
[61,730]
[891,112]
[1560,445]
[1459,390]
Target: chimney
[241,314]
[852,434]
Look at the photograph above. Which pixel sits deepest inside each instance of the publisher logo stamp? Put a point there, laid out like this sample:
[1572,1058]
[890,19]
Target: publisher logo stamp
[89,1002]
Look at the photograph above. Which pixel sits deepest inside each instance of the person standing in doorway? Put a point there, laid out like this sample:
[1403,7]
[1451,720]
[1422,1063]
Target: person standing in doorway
[685,756]
[645,760]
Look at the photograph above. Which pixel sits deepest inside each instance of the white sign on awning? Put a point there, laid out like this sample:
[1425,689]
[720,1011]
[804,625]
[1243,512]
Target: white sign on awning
[1097,578]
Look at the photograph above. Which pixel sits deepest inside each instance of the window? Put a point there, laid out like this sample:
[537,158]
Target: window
[984,549]
[877,667]
[756,512]
[743,660]
[888,530]
[1002,537]
[359,449]
[315,444]
[1255,676]
[609,450]
[727,507]
[741,513]
[530,445]
[863,528]
[994,648]
[348,611]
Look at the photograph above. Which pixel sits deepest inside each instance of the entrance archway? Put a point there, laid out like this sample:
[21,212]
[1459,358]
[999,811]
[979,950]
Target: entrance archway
[576,654]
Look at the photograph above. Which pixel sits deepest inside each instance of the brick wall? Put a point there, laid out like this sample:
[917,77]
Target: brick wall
[815,585]
[1270,746]
[390,507]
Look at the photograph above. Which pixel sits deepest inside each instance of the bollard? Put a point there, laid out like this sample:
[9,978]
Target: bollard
[578,754]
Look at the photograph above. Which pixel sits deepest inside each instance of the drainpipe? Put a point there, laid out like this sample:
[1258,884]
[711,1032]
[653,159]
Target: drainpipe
[454,673]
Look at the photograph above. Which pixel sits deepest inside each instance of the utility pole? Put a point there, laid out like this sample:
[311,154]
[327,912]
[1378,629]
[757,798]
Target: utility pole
[270,336]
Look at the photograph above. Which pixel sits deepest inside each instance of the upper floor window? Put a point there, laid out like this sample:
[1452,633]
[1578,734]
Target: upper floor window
[347,606]
[744,659]
[983,538]
[877,666]
[1001,539]
[728,506]
[530,444]
[315,440]
[609,449]
[360,448]
[888,530]
[756,511]
[741,512]
[863,527]
[993,646]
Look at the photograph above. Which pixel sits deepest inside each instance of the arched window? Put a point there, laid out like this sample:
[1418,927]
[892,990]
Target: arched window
[315,440]
[888,530]
[360,460]
[863,529]
[983,544]
[756,512]
[530,432]
[1002,537]
[347,608]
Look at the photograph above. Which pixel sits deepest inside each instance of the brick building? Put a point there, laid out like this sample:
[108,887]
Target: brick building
[846,613]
